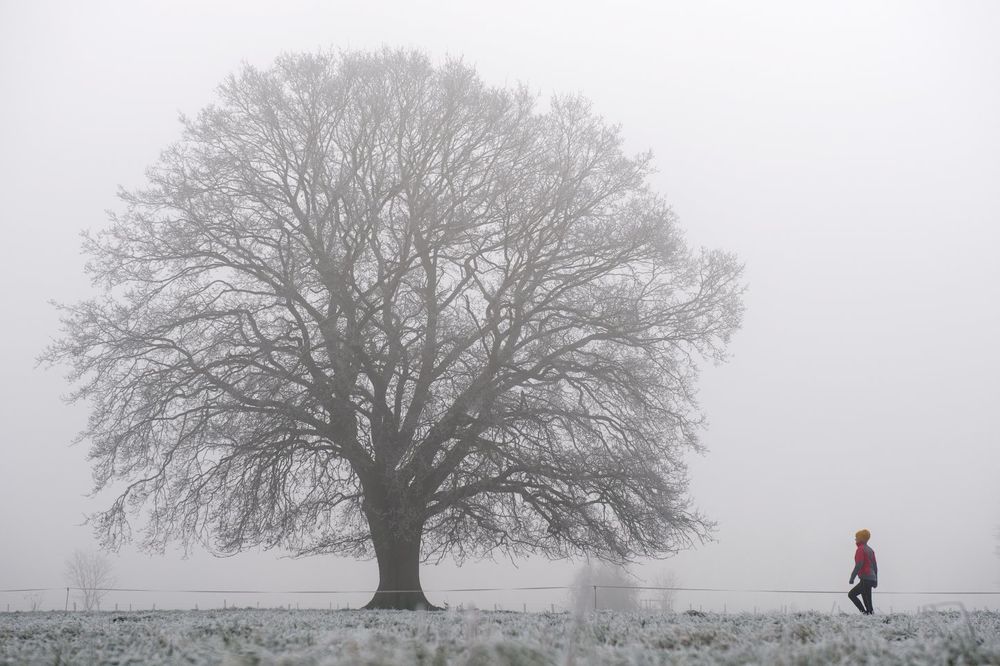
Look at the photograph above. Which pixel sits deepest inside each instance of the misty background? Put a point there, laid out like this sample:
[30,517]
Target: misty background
[848,153]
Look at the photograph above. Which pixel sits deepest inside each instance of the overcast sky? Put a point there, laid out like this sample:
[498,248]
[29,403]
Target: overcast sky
[848,152]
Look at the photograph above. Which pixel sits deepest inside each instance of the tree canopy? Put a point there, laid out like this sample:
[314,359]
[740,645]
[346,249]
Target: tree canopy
[367,305]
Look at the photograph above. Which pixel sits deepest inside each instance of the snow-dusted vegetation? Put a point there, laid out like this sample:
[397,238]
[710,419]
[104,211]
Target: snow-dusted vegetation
[393,637]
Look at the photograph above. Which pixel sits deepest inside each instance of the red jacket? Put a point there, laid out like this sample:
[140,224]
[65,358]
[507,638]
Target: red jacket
[865,565]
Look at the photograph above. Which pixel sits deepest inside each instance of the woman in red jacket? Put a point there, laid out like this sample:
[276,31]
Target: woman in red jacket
[865,568]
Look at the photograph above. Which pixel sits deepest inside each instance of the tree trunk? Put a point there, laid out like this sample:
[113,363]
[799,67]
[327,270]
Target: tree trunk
[398,555]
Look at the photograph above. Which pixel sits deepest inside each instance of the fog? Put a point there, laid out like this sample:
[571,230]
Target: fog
[848,152]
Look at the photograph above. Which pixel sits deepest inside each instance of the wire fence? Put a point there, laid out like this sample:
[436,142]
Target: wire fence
[538,598]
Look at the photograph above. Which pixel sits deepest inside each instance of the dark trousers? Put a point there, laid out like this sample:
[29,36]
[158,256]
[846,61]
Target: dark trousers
[863,588]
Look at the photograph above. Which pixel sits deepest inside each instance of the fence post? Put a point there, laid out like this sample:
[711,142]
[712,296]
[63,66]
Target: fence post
[595,597]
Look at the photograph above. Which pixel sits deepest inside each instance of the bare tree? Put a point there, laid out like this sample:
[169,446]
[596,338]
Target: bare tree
[665,595]
[91,574]
[34,600]
[604,586]
[367,305]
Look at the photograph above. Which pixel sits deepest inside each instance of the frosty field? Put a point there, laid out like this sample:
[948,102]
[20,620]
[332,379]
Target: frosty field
[236,637]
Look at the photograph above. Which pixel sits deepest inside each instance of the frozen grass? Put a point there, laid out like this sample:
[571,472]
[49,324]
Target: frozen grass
[244,637]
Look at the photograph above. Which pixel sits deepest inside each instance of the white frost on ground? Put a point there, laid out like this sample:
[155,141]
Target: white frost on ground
[314,637]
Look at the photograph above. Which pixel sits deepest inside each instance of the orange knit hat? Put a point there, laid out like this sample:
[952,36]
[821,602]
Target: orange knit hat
[862,536]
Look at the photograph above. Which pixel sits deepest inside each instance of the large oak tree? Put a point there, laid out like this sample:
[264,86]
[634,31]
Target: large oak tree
[369,305]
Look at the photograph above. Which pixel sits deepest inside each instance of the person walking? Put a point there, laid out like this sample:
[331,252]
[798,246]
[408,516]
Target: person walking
[866,569]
